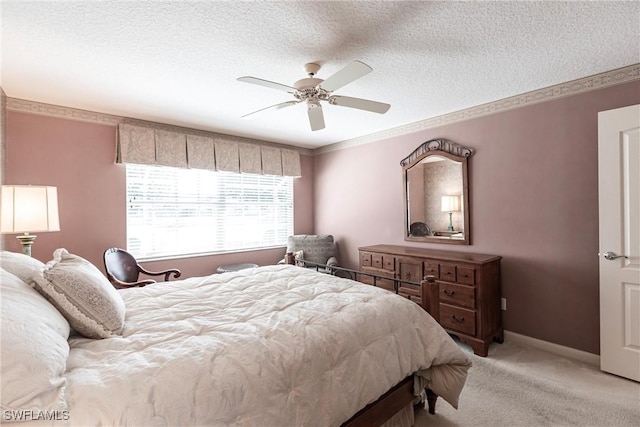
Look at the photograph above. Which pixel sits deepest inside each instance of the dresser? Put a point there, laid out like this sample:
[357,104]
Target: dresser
[460,290]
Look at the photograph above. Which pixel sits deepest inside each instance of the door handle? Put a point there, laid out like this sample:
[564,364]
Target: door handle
[612,255]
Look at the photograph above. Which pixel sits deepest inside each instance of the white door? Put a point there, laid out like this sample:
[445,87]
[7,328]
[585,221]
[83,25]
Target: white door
[619,208]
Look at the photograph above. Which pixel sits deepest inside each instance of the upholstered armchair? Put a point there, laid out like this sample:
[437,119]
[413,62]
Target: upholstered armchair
[317,248]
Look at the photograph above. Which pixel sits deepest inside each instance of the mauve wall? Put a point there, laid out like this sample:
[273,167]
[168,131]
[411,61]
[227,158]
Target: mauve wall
[78,158]
[533,191]
[534,201]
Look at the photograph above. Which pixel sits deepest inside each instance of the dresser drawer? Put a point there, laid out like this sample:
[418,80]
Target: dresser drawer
[448,272]
[463,296]
[365,259]
[465,275]
[410,288]
[432,269]
[376,260]
[385,284]
[380,282]
[458,319]
[389,263]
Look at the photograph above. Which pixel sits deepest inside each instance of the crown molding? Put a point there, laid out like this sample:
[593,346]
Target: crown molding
[574,87]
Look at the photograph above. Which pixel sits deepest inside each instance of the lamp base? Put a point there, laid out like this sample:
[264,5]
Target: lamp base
[450,227]
[26,241]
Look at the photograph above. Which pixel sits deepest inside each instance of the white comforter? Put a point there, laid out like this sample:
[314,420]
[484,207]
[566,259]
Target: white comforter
[272,346]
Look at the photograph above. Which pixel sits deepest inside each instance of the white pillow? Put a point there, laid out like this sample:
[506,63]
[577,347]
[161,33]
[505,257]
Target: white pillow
[20,265]
[83,295]
[34,349]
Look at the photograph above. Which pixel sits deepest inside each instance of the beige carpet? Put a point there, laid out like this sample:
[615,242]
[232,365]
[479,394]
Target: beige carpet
[522,386]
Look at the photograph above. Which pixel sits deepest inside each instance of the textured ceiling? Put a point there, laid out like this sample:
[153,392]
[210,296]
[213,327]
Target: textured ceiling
[176,62]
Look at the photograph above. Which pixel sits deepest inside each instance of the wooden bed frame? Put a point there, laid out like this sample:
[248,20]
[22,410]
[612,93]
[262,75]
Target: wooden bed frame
[389,404]
[400,395]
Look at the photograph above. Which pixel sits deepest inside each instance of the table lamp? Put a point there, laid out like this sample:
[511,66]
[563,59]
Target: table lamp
[28,209]
[450,204]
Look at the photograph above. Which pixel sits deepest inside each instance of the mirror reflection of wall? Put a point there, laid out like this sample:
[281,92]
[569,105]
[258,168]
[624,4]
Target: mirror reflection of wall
[416,193]
[441,177]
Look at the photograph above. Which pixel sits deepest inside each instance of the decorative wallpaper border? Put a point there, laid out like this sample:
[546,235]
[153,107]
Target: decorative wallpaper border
[574,87]
[34,107]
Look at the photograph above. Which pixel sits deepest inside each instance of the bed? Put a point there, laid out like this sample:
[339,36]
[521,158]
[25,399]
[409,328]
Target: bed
[269,346]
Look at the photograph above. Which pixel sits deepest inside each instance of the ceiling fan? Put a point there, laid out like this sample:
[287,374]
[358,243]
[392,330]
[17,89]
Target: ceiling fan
[312,90]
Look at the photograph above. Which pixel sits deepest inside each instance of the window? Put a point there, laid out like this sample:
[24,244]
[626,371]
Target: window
[175,212]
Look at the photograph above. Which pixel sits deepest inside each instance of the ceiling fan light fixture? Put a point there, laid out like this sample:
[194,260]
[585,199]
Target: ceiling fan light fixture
[313,90]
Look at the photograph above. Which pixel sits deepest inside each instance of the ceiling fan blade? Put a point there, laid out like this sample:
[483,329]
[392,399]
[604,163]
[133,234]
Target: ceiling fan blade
[274,107]
[359,103]
[267,83]
[351,72]
[316,118]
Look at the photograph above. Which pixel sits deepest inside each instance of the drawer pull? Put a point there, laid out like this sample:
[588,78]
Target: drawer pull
[448,292]
[457,319]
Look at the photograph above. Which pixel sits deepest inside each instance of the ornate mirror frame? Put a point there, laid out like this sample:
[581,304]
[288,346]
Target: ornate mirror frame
[420,231]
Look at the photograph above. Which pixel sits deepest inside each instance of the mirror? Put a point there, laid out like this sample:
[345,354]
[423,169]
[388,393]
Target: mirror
[436,193]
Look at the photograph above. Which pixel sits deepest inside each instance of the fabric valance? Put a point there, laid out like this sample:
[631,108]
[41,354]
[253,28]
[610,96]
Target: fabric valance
[149,146]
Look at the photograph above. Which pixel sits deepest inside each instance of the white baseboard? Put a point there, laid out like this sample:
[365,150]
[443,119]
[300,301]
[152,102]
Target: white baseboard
[568,352]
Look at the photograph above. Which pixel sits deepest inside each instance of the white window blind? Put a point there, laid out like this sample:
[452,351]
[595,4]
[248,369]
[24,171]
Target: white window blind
[176,212]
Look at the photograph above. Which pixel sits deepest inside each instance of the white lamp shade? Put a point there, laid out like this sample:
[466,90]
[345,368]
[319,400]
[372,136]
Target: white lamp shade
[28,209]
[450,203]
